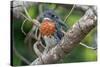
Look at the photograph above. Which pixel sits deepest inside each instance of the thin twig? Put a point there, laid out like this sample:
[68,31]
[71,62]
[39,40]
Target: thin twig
[87,46]
[36,33]
[29,35]
[34,21]
[69,13]
[40,8]
[35,48]
[23,26]
[27,14]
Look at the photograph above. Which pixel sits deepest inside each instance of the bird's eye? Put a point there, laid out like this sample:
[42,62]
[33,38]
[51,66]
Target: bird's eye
[53,15]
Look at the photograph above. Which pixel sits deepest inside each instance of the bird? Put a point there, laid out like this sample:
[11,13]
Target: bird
[50,28]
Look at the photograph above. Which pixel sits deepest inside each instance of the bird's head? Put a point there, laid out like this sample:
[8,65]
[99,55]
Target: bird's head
[50,15]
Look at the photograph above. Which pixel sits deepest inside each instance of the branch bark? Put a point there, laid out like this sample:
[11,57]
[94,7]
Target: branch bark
[71,39]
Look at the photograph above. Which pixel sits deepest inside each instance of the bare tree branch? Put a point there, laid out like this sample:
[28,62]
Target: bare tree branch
[85,8]
[73,36]
[17,7]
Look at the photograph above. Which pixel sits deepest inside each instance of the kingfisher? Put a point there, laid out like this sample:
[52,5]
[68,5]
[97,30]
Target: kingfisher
[50,27]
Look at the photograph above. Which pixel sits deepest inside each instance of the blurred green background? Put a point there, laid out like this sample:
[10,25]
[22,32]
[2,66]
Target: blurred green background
[79,54]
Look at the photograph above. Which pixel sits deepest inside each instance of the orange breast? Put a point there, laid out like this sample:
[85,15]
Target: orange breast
[47,28]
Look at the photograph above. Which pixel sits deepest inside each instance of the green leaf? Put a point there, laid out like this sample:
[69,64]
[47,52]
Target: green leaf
[33,11]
